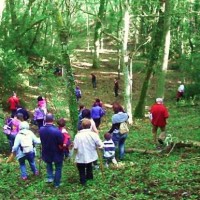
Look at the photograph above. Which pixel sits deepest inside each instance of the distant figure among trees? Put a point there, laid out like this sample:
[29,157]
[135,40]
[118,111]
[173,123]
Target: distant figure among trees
[13,102]
[78,93]
[116,87]
[158,117]
[94,81]
[180,92]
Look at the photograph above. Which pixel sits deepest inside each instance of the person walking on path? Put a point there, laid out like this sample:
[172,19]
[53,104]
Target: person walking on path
[97,113]
[13,102]
[24,149]
[116,87]
[86,143]
[98,102]
[118,138]
[42,103]
[180,92]
[158,117]
[94,81]
[51,139]
[86,114]
[23,111]
[109,150]
[66,137]
[39,116]
[78,93]
[14,124]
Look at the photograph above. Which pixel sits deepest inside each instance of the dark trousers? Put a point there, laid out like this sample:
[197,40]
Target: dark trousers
[116,92]
[85,172]
[40,122]
[97,122]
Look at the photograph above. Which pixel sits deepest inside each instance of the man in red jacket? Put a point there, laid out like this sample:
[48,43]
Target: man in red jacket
[13,102]
[159,115]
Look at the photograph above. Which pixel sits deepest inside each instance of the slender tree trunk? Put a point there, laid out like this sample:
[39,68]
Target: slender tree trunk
[63,32]
[2,6]
[154,53]
[124,60]
[165,55]
[97,34]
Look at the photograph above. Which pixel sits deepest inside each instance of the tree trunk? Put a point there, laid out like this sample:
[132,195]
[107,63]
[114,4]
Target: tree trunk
[165,55]
[63,32]
[2,6]
[124,60]
[97,34]
[154,53]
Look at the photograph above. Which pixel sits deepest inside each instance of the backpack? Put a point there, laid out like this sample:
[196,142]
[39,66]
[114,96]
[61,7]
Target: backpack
[8,127]
[123,128]
[26,142]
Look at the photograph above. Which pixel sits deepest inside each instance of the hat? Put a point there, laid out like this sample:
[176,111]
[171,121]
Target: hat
[159,100]
[23,125]
[49,117]
[107,136]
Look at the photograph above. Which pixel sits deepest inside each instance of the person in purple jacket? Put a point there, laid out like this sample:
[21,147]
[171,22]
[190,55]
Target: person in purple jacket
[51,138]
[39,116]
[97,112]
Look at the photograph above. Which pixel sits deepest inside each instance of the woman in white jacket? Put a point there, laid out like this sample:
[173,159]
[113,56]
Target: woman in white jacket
[24,149]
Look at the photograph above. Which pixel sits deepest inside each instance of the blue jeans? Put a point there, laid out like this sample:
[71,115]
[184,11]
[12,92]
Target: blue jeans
[31,159]
[119,140]
[58,172]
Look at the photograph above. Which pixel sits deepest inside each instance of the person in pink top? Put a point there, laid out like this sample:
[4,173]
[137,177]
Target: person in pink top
[14,124]
[13,102]
[158,117]
[42,103]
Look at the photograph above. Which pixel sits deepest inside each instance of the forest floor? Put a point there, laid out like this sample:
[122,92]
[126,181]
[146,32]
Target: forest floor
[149,174]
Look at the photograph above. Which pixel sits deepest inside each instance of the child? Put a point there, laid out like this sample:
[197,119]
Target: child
[109,150]
[78,93]
[66,137]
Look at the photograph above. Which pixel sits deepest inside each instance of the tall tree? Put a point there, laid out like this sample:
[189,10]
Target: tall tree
[153,58]
[64,35]
[98,32]
[2,6]
[124,58]
[162,70]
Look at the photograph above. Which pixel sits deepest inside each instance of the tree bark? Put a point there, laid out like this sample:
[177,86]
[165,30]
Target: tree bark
[97,34]
[165,55]
[64,34]
[153,58]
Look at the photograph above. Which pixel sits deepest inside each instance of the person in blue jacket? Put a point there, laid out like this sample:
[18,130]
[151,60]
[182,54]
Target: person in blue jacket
[118,138]
[97,112]
[51,138]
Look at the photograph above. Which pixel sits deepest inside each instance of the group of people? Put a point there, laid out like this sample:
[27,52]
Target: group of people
[56,141]
[116,84]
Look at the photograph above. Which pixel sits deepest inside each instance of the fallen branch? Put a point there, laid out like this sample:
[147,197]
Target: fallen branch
[130,150]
